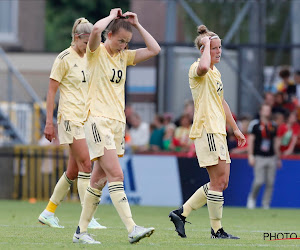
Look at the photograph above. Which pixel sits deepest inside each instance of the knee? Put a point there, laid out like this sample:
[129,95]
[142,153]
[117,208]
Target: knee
[258,183]
[269,184]
[85,166]
[117,176]
[225,185]
[220,185]
[101,183]
[72,173]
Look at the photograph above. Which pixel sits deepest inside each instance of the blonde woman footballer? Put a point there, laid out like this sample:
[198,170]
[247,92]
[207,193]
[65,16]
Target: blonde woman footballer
[209,134]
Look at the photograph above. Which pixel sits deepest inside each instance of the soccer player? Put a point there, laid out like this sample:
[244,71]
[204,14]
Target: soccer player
[209,134]
[105,126]
[69,75]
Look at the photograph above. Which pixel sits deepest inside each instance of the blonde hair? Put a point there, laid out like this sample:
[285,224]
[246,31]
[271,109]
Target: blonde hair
[81,27]
[202,32]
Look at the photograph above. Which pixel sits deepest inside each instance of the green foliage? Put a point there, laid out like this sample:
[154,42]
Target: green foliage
[219,16]
[20,228]
[61,14]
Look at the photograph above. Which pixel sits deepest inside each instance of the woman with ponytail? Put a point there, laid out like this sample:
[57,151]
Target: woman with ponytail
[209,134]
[105,126]
[69,75]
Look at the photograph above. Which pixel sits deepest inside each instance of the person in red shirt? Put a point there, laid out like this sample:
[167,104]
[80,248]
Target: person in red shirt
[288,133]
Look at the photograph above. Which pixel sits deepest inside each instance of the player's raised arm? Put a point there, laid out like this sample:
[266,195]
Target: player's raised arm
[99,27]
[205,59]
[152,48]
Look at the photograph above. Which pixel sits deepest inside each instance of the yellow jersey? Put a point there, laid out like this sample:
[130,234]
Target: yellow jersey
[207,93]
[69,70]
[107,75]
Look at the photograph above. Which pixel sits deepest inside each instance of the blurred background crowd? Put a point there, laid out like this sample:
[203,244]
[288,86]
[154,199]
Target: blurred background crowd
[167,133]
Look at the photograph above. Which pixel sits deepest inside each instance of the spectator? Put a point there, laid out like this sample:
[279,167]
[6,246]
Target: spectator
[288,134]
[188,110]
[181,140]
[128,112]
[168,119]
[278,119]
[168,137]
[286,85]
[279,104]
[263,156]
[269,99]
[139,133]
[157,134]
[297,83]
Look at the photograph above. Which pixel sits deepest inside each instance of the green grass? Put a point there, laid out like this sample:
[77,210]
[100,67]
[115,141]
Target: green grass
[19,228]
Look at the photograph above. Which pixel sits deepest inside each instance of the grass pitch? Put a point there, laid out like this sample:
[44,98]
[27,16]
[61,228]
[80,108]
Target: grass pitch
[19,228]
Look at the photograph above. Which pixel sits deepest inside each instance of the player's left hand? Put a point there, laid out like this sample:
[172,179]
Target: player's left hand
[131,18]
[241,138]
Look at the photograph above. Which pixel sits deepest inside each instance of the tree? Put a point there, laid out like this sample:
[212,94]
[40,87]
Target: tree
[61,14]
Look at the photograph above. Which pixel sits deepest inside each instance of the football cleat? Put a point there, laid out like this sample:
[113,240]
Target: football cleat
[179,221]
[50,221]
[95,225]
[84,238]
[221,234]
[139,233]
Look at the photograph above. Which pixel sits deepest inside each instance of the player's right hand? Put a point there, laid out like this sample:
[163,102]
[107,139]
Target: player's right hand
[115,12]
[205,40]
[49,132]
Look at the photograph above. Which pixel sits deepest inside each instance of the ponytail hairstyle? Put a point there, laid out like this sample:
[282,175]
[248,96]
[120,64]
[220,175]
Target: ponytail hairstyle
[203,32]
[81,27]
[117,24]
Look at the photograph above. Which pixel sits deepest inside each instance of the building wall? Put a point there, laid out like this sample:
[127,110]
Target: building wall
[35,68]
[30,19]
[32,25]
[152,16]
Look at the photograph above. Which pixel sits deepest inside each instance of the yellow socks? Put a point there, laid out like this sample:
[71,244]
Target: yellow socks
[119,199]
[82,183]
[92,198]
[215,201]
[51,207]
[197,200]
[60,191]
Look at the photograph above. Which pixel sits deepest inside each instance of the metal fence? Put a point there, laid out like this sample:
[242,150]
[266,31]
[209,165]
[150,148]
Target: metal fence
[37,170]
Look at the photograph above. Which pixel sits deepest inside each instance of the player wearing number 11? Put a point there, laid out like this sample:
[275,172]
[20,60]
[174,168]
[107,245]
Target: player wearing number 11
[105,125]
[68,74]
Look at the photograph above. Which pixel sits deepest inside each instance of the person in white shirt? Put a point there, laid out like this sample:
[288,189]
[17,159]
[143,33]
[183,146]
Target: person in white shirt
[139,133]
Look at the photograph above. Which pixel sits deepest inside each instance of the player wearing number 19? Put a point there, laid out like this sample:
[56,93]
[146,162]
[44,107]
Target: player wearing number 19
[105,126]
[68,74]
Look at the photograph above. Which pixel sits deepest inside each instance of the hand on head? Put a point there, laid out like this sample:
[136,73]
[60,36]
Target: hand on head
[131,17]
[128,16]
[205,41]
[115,13]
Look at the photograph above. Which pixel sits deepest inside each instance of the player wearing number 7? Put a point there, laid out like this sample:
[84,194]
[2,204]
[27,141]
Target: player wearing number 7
[105,125]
